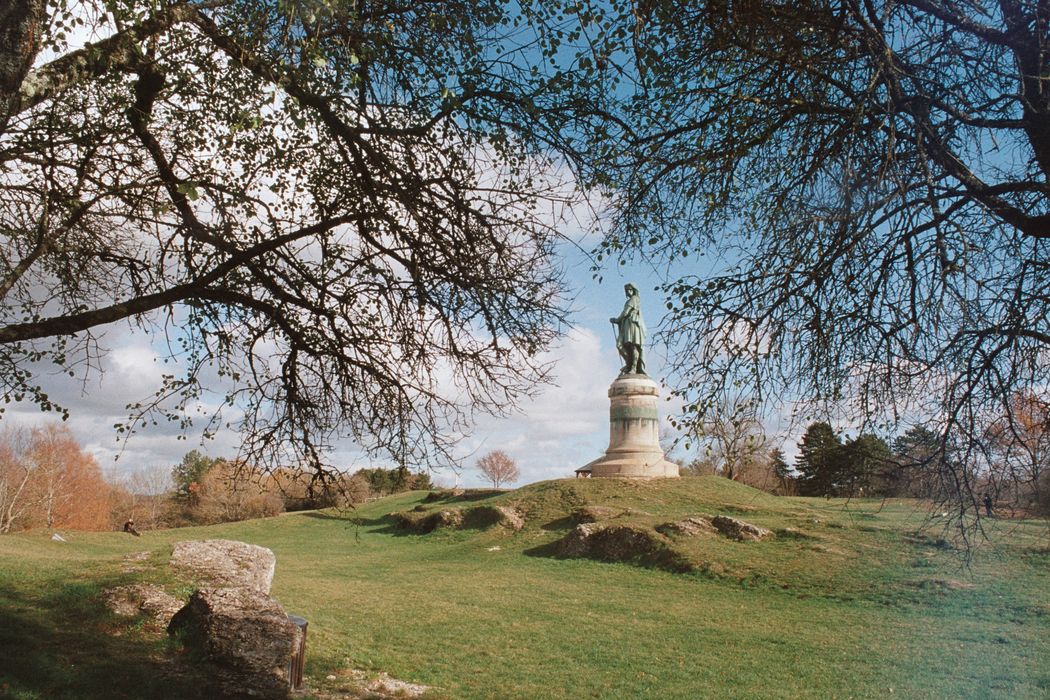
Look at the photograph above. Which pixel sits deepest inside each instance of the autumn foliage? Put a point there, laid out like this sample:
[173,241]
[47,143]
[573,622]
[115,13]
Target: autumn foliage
[47,480]
[1019,450]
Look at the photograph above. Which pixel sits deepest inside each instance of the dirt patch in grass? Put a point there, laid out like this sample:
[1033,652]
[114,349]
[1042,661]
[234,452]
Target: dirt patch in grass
[922,538]
[354,684]
[827,549]
[597,514]
[593,514]
[942,584]
[793,533]
[740,508]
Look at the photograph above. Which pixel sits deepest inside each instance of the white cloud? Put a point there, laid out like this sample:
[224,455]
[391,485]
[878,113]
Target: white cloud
[561,429]
[129,370]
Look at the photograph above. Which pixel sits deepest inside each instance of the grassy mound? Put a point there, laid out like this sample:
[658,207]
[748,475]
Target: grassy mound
[645,523]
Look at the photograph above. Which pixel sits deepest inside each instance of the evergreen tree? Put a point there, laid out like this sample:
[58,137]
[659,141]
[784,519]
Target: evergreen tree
[921,462]
[189,473]
[781,468]
[782,471]
[820,460]
[865,465]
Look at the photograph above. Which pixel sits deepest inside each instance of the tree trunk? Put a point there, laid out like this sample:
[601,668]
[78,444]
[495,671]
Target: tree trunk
[9,514]
[20,24]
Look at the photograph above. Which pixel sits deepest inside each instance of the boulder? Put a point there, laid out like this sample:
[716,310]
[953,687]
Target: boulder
[739,530]
[510,518]
[246,634]
[152,600]
[227,563]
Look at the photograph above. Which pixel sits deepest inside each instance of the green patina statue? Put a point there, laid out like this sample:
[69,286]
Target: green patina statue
[630,333]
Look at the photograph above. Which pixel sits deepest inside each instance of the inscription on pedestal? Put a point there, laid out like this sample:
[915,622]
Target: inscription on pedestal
[634,433]
[629,412]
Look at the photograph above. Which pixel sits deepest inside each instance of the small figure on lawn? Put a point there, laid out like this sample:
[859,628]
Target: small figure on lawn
[129,527]
[630,332]
[988,505]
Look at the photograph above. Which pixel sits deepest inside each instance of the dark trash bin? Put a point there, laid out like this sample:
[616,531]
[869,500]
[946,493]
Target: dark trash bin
[298,662]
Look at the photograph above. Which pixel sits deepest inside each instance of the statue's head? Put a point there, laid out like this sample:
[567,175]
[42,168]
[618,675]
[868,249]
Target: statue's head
[630,289]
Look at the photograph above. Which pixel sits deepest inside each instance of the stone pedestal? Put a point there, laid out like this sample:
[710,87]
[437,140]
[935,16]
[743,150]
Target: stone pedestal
[634,433]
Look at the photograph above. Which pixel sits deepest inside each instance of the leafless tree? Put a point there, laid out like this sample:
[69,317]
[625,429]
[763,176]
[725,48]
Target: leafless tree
[1019,449]
[150,489]
[498,468]
[15,471]
[732,436]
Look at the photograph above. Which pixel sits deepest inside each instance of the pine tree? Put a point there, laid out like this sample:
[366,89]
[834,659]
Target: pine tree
[866,463]
[782,472]
[820,460]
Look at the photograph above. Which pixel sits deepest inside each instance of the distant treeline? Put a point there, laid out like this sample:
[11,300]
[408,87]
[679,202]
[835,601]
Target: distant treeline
[47,480]
[918,464]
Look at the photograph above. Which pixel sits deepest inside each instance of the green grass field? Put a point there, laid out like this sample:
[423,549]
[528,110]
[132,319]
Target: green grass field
[849,600]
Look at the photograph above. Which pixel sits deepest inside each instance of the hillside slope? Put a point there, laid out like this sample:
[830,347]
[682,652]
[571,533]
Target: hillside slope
[845,600]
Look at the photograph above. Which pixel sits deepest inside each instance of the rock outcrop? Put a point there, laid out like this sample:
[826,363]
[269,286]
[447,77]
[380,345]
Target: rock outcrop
[690,527]
[739,530]
[232,620]
[227,563]
[623,543]
[423,521]
[246,633]
[492,516]
[127,601]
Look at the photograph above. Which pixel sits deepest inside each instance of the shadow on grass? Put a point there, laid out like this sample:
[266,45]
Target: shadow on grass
[64,644]
[384,525]
[550,550]
[347,516]
[561,524]
[462,497]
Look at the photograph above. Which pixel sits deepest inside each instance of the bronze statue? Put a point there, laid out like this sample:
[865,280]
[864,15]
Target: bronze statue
[630,333]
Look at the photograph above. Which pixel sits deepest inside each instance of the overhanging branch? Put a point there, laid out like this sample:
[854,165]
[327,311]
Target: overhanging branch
[117,52]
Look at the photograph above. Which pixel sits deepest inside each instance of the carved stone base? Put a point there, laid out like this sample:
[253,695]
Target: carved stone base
[634,433]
